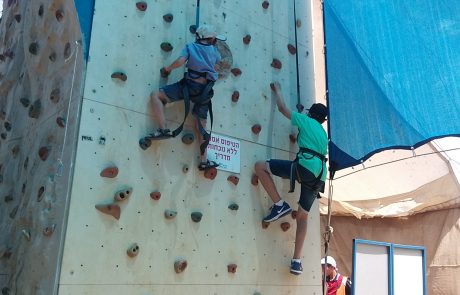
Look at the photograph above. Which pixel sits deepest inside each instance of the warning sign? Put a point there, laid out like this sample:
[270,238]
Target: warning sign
[225,151]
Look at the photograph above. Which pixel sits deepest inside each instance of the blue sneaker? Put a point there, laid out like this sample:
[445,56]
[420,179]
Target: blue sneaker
[296,267]
[277,212]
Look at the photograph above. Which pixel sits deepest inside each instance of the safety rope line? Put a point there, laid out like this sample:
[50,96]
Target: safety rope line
[296,56]
[328,231]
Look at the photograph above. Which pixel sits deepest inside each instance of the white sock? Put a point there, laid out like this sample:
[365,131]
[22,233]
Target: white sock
[295,260]
[279,203]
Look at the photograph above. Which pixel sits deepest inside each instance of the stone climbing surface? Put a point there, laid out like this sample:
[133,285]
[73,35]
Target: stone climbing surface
[110,209]
[180,265]
[109,172]
[133,251]
[155,196]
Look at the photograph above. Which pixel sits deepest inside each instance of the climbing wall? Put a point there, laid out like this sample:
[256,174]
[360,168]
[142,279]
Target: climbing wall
[40,90]
[148,222]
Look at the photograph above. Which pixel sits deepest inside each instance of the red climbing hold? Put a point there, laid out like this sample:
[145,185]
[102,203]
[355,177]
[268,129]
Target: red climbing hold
[44,152]
[233,179]
[265,4]
[254,179]
[59,15]
[180,265]
[235,96]
[110,172]
[133,250]
[210,173]
[49,230]
[236,72]
[60,121]
[291,48]
[155,195]
[142,6]
[247,39]
[292,138]
[188,138]
[256,128]
[110,209]
[265,224]
[164,73]
[123,194]
[276,63]
[285,226]
[294,214]
[231,268]
[119,75]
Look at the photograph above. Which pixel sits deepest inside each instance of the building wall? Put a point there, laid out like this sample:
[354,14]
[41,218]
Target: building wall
[40,90]
[115,116]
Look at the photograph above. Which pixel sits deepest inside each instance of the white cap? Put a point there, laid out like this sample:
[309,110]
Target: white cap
[207,31]
[330,260]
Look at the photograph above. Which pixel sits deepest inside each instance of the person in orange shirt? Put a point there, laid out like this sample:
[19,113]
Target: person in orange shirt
[336,283]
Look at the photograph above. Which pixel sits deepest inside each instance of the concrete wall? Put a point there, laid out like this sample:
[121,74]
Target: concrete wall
[114,117]
[40,90]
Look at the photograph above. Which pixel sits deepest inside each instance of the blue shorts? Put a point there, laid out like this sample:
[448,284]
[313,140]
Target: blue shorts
[310,186]
[174,93]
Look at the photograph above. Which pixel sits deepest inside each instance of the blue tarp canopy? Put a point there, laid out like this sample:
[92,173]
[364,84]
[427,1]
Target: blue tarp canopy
[393,75]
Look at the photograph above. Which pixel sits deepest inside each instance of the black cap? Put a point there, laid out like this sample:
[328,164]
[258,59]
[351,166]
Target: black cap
[318,109]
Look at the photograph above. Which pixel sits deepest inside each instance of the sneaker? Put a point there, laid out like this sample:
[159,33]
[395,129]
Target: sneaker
[296,267]
[277,212]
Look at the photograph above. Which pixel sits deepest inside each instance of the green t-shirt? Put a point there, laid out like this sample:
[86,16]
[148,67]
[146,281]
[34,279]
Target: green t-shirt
[312,136]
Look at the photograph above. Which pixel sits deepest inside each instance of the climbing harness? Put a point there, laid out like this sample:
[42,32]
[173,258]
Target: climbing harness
[296,174]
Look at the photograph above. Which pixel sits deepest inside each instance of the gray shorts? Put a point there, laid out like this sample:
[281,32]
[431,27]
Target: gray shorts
[174,93]
[310,186]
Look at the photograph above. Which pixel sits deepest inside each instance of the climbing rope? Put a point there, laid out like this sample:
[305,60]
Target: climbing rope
[328,230]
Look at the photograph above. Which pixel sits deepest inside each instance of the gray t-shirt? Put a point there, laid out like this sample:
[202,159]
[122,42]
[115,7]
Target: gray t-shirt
[202,58]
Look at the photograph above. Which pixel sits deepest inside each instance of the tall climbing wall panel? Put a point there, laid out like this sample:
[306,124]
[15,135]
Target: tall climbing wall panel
[167,229]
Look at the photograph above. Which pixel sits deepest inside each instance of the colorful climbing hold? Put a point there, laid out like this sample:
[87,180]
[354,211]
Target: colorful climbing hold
[164,73]
[235,96]
[109,172]
[185,168]
[298,23]
[233,206]
[276,63]
[231,268]
[188,138]
[67,50]
[291,48]
[133,250]
[33,48]
[120,76]
[17,17]
[192,29]
[265,224]
[110,209]
[196,216]
[142,6]
[294,214]
[233,179]
[166,46]
[265,4]
[35,109]
[254,179]
[210,173]
[49,230]
[59,15]
[60,121]
[155,196]
[247,39]
[170,214]
[123,194]
[285,226]
[293,138]
[44,152]
[180,265]
[236,72]
[299,107]
[256,128]
[40,194]
[168,17]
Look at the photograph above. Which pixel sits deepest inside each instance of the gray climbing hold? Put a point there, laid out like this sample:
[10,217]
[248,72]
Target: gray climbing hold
[196,216]
[233,207]
[166,46]
[170,214]
[168,17]
[35,109]
[133,250]
[123,194]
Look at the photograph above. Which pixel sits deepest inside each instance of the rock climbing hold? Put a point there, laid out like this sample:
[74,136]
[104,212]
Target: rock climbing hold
[40,195]
[231,268]
[59,15]
[3,135]
[276,63]
[6,291]
[119,75]
[236,72]
[17,17]
[294,214]
[145,143]
[133,250]
[299,107]
[8,198]
[233,179]
[196,216]
[123,194]
[40,10]
[7,126]
[292,138]
[254,179]
[265,224]
[285,226]
[55,95]
[168,17]
[49,230]
[170,214]
[188,138]
[14,212]
[26,234]
[185,168]
[33,48]
[44,152]
[110,209]
[15,151]
[142,6]
[52,56]
[298,23]
[164,73]
[180,265]
[256,128]
[233,207]
[110,172]
[25,102]
[247,39]
[210,173]
[192,29]
[35,109]
[235,96]
[265,4]
[291,48]
[155,195]
[67,50]
[60,121]
[166,46]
